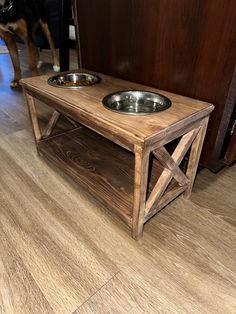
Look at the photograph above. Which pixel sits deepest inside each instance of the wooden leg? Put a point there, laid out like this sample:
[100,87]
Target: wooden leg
[140,191]
[33,117]
[195,156]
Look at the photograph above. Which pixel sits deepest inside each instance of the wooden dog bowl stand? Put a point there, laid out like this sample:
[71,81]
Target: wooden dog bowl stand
[121,159]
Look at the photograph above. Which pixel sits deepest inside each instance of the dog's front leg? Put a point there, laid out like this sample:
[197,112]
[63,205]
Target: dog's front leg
[47,33]
[13,51]
[33,54]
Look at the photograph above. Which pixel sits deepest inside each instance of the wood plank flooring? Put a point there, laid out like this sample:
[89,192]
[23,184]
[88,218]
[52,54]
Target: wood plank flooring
[63,252]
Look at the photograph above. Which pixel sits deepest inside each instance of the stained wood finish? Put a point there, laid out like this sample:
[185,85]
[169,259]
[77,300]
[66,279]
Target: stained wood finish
[33,117]
[85,106]
[51,124]
[103,168]
[194,157]
[169,163]
[140,190]
[169,172]
[53,261]
[186,47]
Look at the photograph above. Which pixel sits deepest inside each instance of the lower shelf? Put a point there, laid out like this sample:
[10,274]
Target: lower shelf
[105,169]
[102,167]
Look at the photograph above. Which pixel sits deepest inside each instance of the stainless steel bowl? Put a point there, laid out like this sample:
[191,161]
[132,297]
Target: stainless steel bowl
[73,80]
[136,102]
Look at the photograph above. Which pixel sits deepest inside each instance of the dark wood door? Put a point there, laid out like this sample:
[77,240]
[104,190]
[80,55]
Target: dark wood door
[230,155]
[184,46]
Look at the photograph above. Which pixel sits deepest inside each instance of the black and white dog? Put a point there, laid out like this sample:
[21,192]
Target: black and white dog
[21,18]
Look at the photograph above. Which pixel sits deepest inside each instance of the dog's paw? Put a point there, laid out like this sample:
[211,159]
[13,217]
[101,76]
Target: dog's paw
[40,62]
[15,84]
[56,68]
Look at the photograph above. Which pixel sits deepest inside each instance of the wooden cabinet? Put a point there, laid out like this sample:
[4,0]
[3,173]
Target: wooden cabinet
[184,46]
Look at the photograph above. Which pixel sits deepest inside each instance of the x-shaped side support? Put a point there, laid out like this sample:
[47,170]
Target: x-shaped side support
[172,170]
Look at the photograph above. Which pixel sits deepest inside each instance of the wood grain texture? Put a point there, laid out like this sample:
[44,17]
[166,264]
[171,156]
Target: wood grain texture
[141,171]
[105,170]
[62,252]
[33,117]
[166,176]
[85,106]
[134,132]
[51,124]
[168,162]
[88,110]
[23,219]
[17,280]
[194,156]
[183,271]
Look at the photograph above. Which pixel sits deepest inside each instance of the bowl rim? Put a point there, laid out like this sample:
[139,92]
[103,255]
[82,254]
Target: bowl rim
[166,99]
[52,78]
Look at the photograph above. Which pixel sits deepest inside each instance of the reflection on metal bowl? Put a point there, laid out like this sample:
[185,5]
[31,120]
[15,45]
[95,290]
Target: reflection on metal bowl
[73,80]
[136,102]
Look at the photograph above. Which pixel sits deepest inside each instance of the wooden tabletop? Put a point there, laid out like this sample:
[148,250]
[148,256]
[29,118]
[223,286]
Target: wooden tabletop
[86,104]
